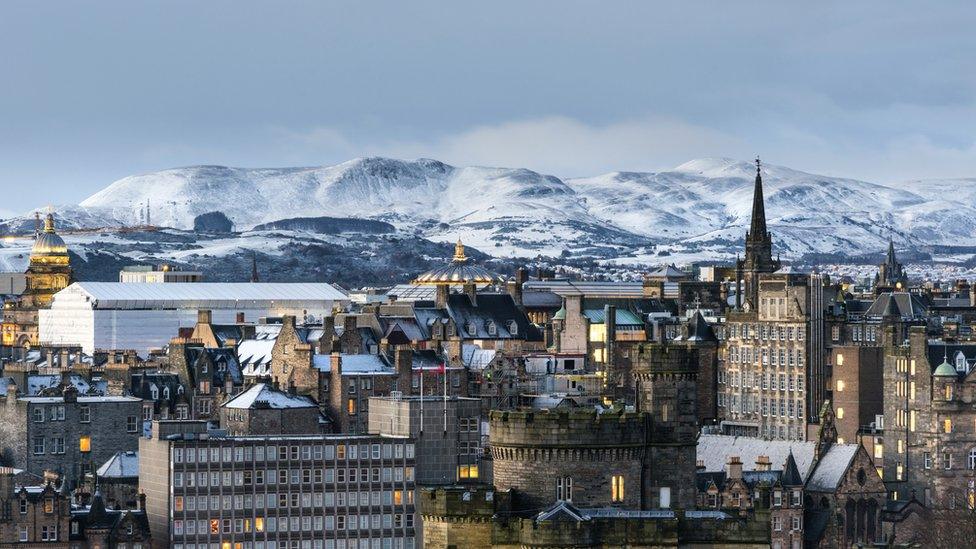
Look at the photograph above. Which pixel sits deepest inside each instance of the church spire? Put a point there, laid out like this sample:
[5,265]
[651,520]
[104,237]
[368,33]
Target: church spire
[757,229]
[254,268]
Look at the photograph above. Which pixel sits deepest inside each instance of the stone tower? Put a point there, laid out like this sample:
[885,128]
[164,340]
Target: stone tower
[759,245]
[667,389]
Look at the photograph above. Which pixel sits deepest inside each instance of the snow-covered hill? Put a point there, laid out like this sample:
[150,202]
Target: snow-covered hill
[700,208]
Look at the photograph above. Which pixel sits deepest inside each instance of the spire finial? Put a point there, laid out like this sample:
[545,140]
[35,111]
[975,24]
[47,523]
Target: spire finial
[459,252]
[758,164]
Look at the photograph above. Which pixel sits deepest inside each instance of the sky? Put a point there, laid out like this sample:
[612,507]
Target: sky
[93,91]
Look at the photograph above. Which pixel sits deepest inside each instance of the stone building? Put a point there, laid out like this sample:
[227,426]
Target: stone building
[891,275]
[206,488]
[96,526]
[210,375]
[68,434]
[265,410]
[117,481]
[32,516]
[930,424]
[773,373]
[48,272]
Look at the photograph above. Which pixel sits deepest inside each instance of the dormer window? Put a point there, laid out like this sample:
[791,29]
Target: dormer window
[166,393]
[471,328]
[512,327]
[154,392]
[961,362]
[491,327]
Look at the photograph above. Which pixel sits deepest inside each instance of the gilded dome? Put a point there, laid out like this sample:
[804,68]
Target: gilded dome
[459,271]
[48,242]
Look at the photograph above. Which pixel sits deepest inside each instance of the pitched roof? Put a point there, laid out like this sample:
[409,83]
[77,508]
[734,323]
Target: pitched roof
[714,452]
[354,364]
[830,469]
[120,465]
[264,395]
[901,304]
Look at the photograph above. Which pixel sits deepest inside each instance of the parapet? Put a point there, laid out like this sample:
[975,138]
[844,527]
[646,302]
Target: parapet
[575,428]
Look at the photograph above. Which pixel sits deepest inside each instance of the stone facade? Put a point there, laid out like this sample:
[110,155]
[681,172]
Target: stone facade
[35,516]
[69,434]
[773,374]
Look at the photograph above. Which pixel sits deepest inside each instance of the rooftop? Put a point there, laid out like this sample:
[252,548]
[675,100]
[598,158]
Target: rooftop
[118,295]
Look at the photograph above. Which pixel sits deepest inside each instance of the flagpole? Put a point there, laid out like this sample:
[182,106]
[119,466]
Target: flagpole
[421,399]
[445,397]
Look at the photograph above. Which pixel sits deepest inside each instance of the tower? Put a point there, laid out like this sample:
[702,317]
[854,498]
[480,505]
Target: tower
[891,275]
[759,244]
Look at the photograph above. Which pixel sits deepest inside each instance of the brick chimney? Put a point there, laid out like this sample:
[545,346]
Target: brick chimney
[440,296]
[328,335]
[735,468]
[763,463]
[403,361]
[514,288]
[204,316]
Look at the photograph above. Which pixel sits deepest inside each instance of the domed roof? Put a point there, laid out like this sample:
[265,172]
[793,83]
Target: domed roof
[458,271]
[48,242]
[945,369]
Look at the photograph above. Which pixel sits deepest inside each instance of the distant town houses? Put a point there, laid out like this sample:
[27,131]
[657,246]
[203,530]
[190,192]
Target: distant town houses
[739,404]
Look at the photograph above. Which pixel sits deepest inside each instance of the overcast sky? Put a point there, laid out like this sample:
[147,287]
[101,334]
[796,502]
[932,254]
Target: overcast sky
[92,92]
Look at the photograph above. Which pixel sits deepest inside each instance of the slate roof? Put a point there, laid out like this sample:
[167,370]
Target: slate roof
[270,397]
[714,452]
[902,304]
[541,299]
[355,364]
[624,317]
[120,465]
[255,356]
[831,468]
[939,350]
[490,307]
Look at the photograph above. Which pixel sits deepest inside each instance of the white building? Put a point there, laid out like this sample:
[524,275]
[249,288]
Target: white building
[141,273]
[115,315]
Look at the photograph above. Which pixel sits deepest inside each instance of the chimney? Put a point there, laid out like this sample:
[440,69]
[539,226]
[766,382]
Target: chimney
[335,363]
[240,318]
[328,334]
[65,359]
[515,290]
[610,323]
[735,468]
[763,463]
[204,316]
[403,361]
[440,296]
[11,391]
[288,322]
[384,346]
[471,290]
[141,502]
[349,323]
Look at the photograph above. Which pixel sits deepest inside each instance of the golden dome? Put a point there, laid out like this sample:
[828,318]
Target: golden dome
[48,242]
[458,271]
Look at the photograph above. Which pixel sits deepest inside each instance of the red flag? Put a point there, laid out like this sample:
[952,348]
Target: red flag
[442,369]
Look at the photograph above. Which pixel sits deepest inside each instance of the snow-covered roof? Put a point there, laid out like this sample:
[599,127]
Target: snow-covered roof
[274,398]
[354,364]
[831,468]
[121,465]
[714,451]
[476,357]
[255,356]
[213,295]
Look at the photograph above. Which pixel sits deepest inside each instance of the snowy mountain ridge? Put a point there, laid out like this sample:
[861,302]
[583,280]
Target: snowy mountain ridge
[700,207]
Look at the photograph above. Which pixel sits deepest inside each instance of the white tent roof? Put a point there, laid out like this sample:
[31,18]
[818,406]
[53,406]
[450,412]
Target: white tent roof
[118,295]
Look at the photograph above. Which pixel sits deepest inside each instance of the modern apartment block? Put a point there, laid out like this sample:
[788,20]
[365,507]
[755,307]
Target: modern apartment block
[447,434]
[205,489]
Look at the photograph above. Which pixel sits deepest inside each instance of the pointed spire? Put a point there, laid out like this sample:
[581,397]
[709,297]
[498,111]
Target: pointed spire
[791,473]
[757,228]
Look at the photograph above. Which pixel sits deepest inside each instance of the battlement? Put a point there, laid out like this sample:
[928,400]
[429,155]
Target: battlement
[584,428]
[471,502]
[658,358]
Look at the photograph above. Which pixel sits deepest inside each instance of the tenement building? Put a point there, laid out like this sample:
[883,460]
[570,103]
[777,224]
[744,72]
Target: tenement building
[930,423]
[772,378]
[68,434]
[207,489]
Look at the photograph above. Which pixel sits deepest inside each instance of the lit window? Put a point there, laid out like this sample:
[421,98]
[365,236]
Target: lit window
[617,488]
[84,444]
[840,413]
[947,425]
[840,385]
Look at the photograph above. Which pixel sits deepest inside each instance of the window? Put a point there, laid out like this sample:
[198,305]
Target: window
[972,459]
[84,414]
[777,523]
[948,392]
[23,506]
[926,459]
[564,489]
[38,415]
[947,425]
[131,424]
[38,445]
[796,524]
[351,406]
[467,471]
[617,488]
[947,460]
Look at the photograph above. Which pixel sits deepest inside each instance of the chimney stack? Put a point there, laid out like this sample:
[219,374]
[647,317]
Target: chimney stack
[735,468]
[471,290]
[440,296]
[204,316]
